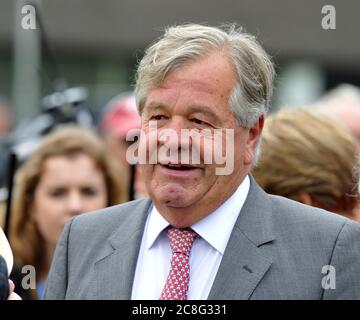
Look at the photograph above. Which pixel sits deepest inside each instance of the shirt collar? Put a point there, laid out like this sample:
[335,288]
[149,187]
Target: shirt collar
[156,224]
[217,226]
[214,228]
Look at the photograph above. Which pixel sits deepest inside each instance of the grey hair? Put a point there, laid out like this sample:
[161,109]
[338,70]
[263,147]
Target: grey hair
[180,45]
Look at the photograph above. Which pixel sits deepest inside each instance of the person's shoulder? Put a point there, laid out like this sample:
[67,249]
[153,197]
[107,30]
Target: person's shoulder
[309,219]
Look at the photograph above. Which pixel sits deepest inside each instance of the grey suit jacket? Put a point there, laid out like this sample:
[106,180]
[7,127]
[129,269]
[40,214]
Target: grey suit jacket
[277,250]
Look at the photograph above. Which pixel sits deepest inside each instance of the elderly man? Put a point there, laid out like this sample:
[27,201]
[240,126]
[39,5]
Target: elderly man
[201,234]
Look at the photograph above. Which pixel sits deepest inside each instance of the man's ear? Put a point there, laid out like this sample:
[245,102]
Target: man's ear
[253,140]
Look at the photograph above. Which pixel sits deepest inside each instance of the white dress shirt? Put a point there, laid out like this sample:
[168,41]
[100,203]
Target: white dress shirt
[213,231]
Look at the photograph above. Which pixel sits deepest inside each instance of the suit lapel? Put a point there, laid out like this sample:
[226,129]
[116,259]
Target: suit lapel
[115,266]
[239,273]
[244,263]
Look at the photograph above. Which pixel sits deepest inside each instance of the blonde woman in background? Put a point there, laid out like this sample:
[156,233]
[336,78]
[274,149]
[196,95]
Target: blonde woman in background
[309,157]
[70,173]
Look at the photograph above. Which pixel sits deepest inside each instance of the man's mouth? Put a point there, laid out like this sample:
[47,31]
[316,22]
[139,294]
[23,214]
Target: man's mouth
[178,167]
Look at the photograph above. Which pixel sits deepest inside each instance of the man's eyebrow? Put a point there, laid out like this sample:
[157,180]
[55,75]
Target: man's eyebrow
[155,105]
[191,110]
[204,110]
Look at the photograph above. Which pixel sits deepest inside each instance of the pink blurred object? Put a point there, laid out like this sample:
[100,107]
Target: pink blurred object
[121,116]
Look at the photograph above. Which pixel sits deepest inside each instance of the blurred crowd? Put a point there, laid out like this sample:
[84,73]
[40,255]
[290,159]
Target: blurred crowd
[72,169]
[309,154]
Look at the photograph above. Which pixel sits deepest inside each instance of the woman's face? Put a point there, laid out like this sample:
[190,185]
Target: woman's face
[68,186]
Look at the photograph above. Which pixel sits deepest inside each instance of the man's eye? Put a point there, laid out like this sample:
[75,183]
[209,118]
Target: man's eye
[198,121]
[157,117]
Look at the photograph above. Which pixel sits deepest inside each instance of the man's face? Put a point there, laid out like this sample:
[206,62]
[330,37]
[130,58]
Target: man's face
[195,96]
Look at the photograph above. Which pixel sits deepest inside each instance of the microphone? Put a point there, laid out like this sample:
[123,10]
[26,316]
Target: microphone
[6,264]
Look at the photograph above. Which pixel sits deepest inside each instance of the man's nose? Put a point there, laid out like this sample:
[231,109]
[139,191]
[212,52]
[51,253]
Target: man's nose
[176,139]
[174,133]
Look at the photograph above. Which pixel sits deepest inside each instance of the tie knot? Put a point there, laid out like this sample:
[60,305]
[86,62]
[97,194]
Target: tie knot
[181,240]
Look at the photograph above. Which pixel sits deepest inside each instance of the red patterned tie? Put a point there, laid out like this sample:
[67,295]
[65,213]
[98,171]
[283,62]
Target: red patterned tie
[177,283]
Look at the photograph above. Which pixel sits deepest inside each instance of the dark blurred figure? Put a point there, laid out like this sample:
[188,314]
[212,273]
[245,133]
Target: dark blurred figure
[309,157]
[119,117]
[6,261]
[4,284]
[6,265]
[69,173]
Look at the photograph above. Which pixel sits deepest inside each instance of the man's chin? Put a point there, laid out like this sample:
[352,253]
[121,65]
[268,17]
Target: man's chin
[174,196]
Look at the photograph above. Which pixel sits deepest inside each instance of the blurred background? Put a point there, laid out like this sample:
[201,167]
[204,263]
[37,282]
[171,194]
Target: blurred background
[95,44]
